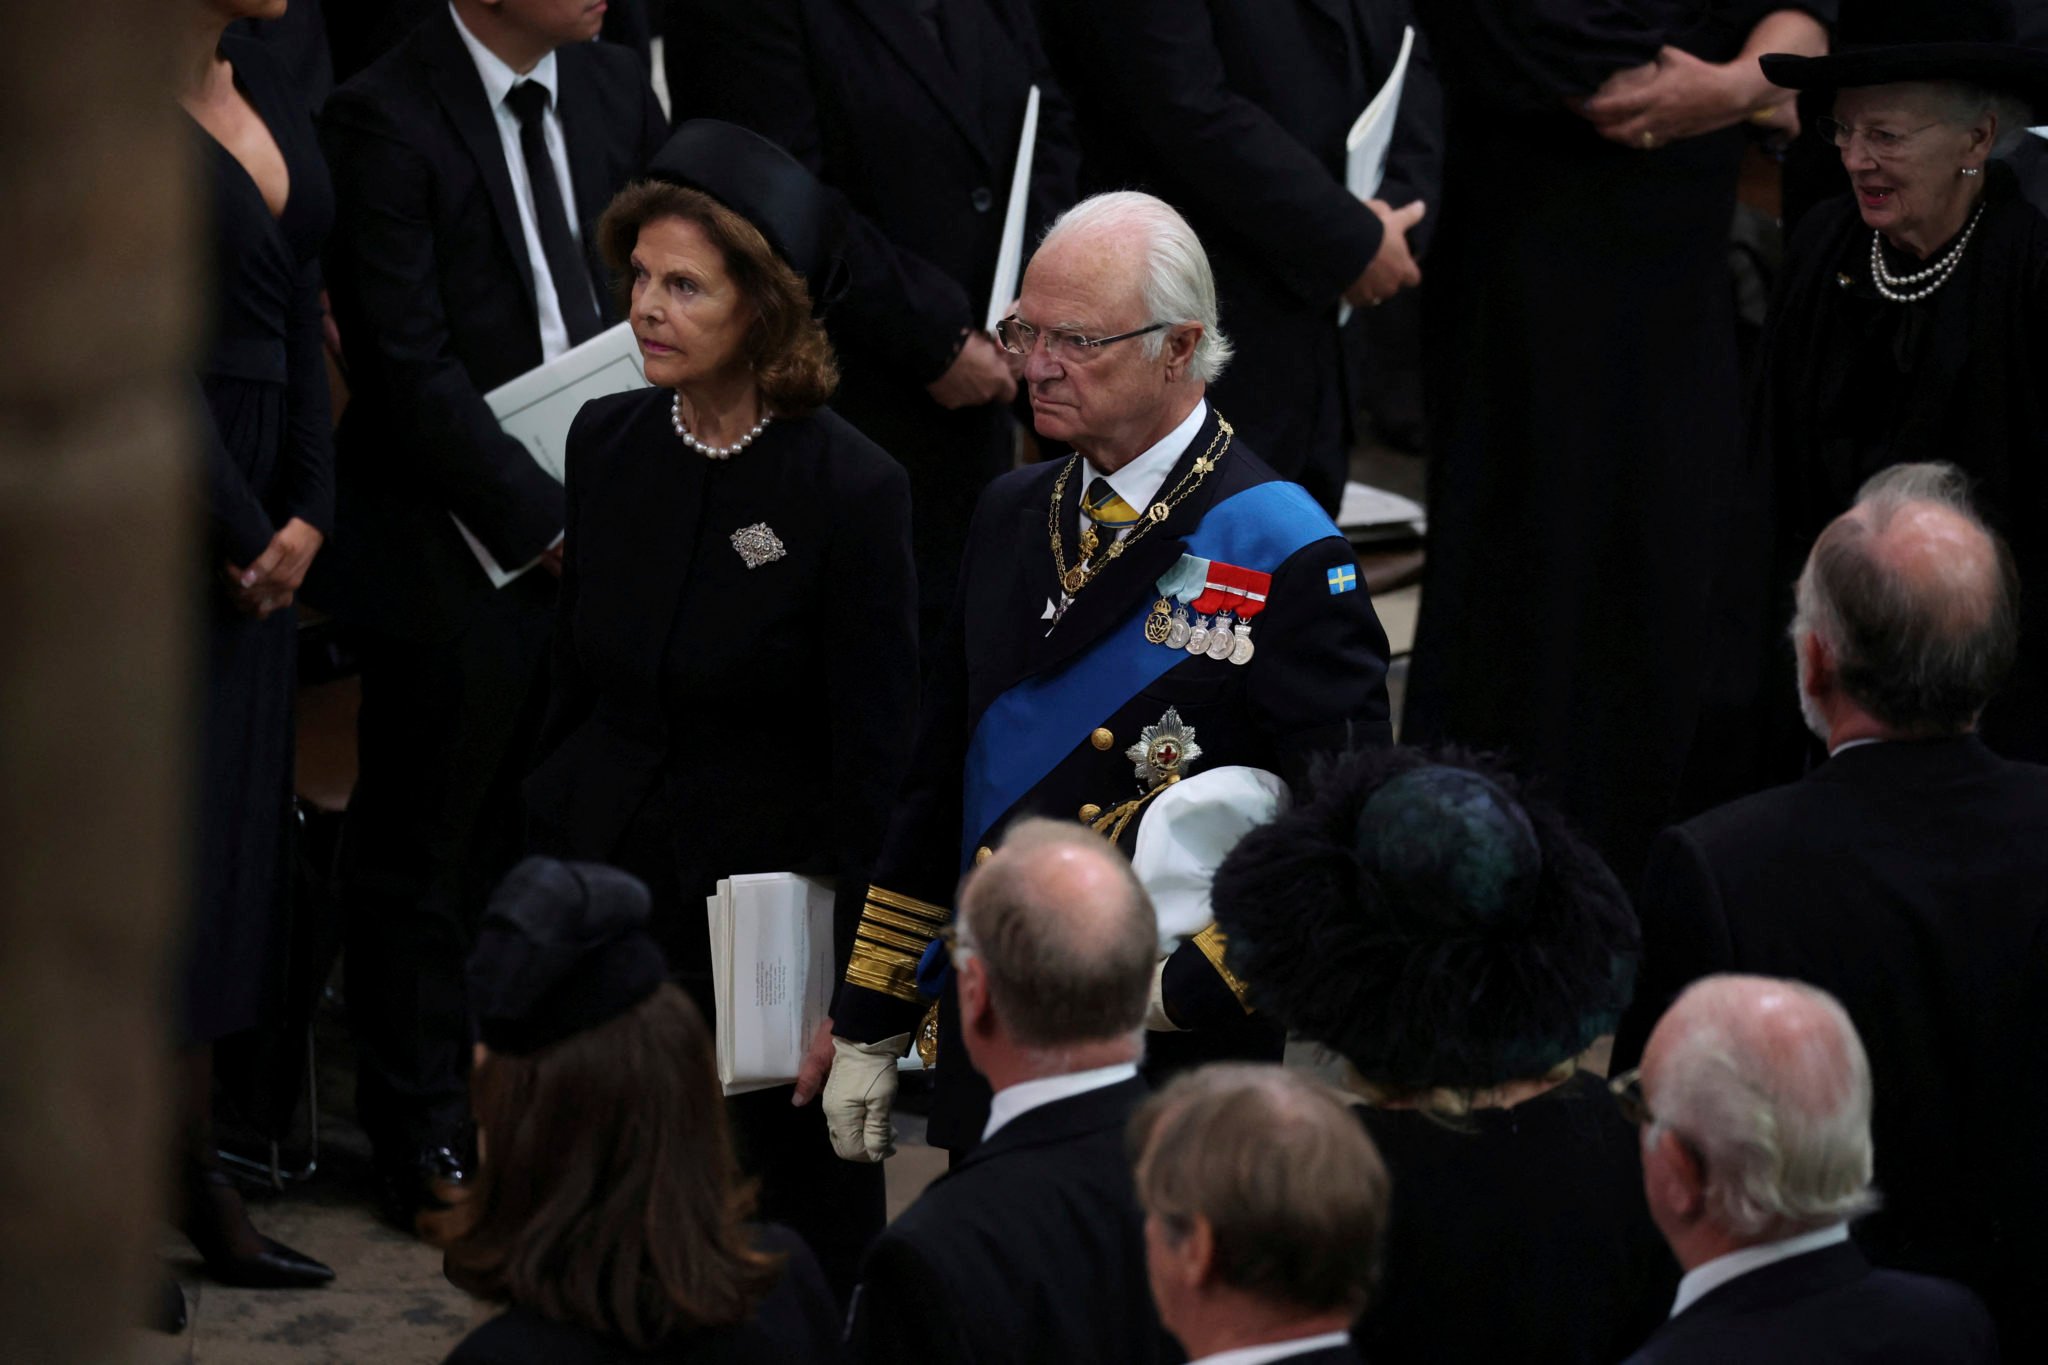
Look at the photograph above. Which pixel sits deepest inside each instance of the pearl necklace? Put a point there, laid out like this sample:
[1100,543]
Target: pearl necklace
[1899,288]
[675,417]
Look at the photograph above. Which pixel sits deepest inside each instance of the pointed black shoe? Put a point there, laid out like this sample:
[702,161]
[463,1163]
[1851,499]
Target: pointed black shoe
[273,1265]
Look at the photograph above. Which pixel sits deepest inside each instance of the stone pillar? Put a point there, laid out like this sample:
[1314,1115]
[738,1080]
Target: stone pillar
[97,522]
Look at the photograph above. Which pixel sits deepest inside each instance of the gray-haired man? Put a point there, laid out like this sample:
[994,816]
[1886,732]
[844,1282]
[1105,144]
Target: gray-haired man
[1754,1096]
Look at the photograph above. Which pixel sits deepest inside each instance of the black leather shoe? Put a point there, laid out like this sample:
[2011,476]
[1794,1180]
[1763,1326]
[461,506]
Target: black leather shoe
[276,1266]
[431,1180]
[167,1311]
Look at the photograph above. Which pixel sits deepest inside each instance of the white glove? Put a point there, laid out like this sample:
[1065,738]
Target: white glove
[1156,1017]
[858,1096]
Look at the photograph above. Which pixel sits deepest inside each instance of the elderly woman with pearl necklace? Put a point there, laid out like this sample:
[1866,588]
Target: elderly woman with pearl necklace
[735,665]
[1910,323]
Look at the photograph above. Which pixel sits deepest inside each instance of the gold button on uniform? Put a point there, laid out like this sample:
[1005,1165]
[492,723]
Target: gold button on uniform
[1103,740]
[983,854]
[1089,813]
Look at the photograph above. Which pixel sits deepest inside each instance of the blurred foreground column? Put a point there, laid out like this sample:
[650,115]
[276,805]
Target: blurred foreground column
[96,501]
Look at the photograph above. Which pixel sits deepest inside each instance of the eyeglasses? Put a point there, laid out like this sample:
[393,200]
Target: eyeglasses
[1627,1089]
[1018,337]
[1879,142]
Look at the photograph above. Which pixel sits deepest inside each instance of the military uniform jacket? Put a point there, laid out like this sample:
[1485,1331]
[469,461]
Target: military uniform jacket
[1315,683]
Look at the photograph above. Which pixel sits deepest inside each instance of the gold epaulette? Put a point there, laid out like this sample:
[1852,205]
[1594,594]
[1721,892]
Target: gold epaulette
[894,932]
[1210,943]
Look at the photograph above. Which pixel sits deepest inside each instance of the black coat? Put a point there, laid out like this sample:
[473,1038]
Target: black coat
[796,1324]
[434,296]
[1827,1307]
[1235,112]
[1317,683]
[761,717]
[1583,407]
[1910,880]
[922,141]
[1031,1249]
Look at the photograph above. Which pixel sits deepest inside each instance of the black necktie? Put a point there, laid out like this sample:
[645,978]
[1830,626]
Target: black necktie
[529,101]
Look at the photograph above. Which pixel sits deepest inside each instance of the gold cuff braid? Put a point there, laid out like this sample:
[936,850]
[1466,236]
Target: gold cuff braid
[894,932]
[1210,943]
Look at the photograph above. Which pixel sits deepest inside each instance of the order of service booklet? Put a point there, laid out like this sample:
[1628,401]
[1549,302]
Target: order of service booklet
[1372,137]
[536,409]
[771,970]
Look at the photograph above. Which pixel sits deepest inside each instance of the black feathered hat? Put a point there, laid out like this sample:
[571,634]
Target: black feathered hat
[563,947]
[802,218]
[1425,919]
[1913,40]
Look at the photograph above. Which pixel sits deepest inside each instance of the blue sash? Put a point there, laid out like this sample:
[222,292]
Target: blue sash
[1027,730]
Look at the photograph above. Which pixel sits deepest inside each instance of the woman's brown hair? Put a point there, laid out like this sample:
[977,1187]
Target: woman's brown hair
[609,1196]
[786,347]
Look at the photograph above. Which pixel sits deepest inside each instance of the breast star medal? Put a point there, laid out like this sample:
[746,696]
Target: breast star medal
[1164,751]
[757,545]
[1159,624]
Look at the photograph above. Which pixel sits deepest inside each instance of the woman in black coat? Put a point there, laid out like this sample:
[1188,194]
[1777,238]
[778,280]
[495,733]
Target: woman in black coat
[736,654]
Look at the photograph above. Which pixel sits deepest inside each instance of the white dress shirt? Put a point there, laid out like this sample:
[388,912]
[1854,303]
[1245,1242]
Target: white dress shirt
[1014,1101]
[1275,1350]
[1703,1280]
[498,80]
[1138,483]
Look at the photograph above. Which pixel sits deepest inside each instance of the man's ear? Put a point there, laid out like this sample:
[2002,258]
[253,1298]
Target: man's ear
[1197,1253]
[1674,1176]
[1817,664]
[1180,348]
[972,985]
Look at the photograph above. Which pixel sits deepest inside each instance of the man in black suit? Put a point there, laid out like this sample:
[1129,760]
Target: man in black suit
[913,110]
[1907,876]
[1030,1248]
[1236,112]
[1157,604]
[1265,1215]
[1755,1098]
[471,163]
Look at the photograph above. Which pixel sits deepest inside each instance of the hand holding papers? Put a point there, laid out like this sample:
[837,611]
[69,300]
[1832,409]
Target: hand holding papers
[1372,137]
[537,408]
[771,970]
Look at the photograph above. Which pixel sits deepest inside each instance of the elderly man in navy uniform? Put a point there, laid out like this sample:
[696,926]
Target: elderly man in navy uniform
[1157,604]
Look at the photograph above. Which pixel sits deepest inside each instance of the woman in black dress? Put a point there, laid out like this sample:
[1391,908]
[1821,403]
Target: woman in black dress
[609,1213]
[268,451]
[1460,949]
[735,657]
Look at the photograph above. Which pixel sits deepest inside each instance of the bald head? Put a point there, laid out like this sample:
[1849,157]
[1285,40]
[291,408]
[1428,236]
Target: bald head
[1065,933]
[1911,598]
[1768,1082]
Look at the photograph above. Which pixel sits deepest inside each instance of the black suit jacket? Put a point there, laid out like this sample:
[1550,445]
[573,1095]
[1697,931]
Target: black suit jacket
[781,737]
[432,289]
[1235,112]
[922,141]
[795,1324]
[1827,1307]
[1031,1249]
[1910,880]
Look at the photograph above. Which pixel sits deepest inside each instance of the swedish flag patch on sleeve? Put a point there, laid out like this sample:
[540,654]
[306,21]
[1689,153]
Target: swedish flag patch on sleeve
[1343,579]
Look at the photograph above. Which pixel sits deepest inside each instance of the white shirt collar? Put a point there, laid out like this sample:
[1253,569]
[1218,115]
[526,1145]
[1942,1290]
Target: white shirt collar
[1015,1101]
[1276,1350]
[1703,1280]
[1138,482]
[1849,744]
[499,78]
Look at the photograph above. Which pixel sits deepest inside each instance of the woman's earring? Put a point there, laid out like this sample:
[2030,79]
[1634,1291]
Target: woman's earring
[1973,170]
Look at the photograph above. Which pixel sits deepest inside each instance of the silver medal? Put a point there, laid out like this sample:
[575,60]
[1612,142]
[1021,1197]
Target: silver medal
[1241,651]
[1177,631]
[1198,638]
[1220,639]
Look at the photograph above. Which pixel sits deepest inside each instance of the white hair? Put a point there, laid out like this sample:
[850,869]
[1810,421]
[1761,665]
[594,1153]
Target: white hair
[1779,1116]
[1178,288]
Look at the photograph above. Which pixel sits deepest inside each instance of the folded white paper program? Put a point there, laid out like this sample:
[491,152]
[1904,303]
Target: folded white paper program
[1372,137]
[1010,254]
[771,970]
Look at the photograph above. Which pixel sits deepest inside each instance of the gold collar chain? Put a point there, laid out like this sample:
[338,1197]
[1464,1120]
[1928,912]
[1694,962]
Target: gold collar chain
[1082,574]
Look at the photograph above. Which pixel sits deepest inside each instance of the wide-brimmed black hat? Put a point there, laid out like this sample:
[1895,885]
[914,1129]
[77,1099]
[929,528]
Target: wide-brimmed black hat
[563,947]
[802,217]
[1915,40]
[1427,920]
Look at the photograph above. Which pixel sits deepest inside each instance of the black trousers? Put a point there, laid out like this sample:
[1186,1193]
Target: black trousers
[446,731]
